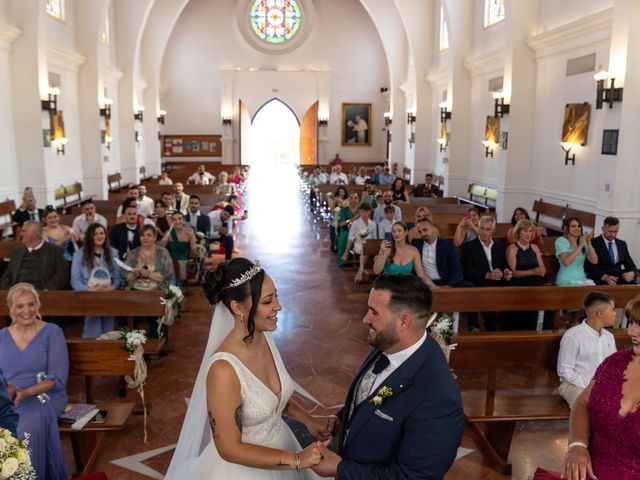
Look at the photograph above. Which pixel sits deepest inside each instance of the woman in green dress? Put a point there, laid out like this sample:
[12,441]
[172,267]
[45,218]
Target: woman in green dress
[347,215]
[399,257]
[180,242]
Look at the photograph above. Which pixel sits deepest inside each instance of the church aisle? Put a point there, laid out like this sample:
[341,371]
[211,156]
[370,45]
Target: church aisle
[320,335]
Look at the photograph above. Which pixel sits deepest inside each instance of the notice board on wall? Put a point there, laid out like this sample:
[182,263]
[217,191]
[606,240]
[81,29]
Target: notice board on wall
[191,145]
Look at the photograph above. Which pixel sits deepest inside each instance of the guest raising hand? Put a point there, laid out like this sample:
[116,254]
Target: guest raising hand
[572,250]
[468,227]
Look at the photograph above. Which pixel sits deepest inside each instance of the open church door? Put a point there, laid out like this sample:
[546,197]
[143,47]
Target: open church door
[309,136]
[246,149]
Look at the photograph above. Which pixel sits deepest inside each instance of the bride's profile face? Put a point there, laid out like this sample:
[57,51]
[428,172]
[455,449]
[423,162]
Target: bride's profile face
[266,319]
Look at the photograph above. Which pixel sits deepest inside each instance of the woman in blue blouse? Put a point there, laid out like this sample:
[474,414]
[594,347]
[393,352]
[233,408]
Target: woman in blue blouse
[95,256]
[572,250]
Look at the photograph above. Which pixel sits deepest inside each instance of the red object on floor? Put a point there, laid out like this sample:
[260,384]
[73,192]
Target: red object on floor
[542,474]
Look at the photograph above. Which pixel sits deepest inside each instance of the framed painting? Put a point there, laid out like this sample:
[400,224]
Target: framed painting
[575,128]
[609,142]
[492,129]
[356,124]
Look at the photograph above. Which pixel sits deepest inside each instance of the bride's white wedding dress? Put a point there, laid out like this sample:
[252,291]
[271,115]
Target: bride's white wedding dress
[262,425]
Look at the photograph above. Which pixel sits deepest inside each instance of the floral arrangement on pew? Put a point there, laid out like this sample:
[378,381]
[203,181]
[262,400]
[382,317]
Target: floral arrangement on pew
[134,341]
[441,329]
[171,300]
[15,462]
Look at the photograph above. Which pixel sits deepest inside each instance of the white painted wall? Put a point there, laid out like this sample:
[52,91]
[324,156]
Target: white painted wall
[9,184]
[554,13]
[206,39]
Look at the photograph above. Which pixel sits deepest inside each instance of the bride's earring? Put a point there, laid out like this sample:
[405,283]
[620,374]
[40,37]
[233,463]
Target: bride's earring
[241,317]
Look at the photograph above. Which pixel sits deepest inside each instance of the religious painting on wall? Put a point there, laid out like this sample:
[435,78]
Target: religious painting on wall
[575,128]
[57,125]
[356,124]
[492,129]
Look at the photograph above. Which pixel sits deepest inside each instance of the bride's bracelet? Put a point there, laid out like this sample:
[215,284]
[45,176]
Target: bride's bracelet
[578,444]
[297,462]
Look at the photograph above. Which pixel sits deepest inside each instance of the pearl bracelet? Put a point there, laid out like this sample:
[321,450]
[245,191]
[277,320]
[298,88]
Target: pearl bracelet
[578,444]
[297,462]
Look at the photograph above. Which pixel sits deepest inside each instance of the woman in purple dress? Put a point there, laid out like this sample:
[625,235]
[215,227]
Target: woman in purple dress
[604,437]
[35,364]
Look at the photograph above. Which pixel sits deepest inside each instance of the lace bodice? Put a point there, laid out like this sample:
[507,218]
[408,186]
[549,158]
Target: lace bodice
[261,408]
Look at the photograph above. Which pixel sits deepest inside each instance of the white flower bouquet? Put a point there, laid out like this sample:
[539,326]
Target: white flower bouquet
[442,331]
[15,462]
[363,234]
[133,339]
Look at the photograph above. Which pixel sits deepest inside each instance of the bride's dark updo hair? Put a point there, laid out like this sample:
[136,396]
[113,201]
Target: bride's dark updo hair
[216,288]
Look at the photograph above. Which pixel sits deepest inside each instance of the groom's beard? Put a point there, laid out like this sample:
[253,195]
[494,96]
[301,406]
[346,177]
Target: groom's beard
[383,339]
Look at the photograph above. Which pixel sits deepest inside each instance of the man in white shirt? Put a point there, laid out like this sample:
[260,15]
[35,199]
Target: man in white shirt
[86,218]
[324,177]
[362,224]
[134,194]
[201,177]
[387,199]
[164,179]
[221,229]
[361,177]
[149,206]
[337,177]
[387,178]
[180,199]
[585,346]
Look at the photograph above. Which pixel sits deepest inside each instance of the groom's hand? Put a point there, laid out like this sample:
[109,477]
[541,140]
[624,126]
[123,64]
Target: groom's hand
[328,466]
[322,427]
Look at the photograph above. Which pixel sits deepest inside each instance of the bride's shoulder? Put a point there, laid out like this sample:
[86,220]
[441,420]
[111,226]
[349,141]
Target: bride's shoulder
[222,369]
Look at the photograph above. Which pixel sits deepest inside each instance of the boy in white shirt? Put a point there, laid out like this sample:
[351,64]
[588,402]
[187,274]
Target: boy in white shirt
[585,346]
[385,225]
[359,225]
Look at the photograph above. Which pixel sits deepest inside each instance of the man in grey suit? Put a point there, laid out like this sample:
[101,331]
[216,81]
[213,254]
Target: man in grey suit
[36,261]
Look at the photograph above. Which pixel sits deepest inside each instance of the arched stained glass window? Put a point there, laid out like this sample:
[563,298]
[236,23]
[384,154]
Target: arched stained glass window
[55,8]
[494,12]
[275,21]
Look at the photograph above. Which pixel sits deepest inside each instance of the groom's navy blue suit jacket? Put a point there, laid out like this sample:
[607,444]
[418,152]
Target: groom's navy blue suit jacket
[415,433]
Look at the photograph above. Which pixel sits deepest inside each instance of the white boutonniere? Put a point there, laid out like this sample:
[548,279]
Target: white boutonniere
[382,394]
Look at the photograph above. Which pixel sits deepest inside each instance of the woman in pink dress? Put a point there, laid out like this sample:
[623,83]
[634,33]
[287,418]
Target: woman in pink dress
[604,437]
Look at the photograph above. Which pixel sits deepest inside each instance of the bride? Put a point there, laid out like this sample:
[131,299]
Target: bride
[242,390]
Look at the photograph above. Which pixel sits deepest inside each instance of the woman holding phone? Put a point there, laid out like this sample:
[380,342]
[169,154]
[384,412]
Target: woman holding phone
[468,227]
[345,219]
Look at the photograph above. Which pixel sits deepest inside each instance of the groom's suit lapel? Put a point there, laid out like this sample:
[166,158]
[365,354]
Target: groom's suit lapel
[398,381]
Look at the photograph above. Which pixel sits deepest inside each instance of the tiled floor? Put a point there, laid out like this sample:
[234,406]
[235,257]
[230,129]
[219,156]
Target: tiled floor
[320,335]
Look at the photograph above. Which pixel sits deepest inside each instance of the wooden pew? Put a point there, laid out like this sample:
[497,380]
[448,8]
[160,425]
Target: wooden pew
[458,211]
[560,213]
[70,195]
[6,247]
[519,299]
[6,209]
[481,197]
[498,413]
[114,182]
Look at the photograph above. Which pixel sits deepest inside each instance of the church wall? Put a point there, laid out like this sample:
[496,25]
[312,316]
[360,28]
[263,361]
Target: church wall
[62,33]
[553,13]
[9,179]
[207,39]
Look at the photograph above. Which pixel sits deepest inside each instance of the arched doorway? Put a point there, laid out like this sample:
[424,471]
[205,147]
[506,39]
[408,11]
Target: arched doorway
[275,135]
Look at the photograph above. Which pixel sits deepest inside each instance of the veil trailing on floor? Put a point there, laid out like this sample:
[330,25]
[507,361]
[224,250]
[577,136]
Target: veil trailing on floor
[196,432]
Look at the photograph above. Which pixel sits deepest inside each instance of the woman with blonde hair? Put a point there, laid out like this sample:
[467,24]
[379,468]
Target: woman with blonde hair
[35,364]
[422,213]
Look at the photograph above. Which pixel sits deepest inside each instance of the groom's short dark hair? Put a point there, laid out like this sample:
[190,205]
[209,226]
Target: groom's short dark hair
[408,292]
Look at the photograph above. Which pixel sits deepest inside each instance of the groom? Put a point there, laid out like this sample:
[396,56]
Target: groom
[403,414]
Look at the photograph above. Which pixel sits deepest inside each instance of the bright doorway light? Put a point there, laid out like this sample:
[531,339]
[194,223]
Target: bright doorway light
[275,136]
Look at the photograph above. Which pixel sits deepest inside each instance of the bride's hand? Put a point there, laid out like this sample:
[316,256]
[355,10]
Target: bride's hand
[321,427]
[310,456]
[577,465]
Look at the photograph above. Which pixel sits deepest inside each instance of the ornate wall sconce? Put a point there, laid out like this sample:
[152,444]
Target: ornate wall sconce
[567,146]
[139,114]
[606,95]
[226,120]
[411,117]
[138,138]
[59,144]
[323,122]
[489,146]
[444,113]
[51,104]
[107,142]
[105,111]
[443,142]
[500,109]
[387,119]
[162,114]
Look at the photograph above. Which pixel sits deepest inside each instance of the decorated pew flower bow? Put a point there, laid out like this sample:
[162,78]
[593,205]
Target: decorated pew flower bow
[15,462]
[382,394]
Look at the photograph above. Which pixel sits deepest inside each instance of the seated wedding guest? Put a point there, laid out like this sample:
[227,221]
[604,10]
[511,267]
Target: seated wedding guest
[528,270]
[221,229]
[336,160]
[377,171]
[585,346]
[133,194]
[353,173]
[399,191]
[164,179]
[168,200]
[484,263]
[236,178]
[369,195]
[161,217]
[86,218]
[145,200]
[28,210]
[132,202]
[362,229]
[8,416]
[422,213]
[386,178]
[400,257]
[35,364]
[386,224]
[345,219]
[179,242]
[223,187]
[467,228]
[197,221]
[93,269]
[180,199]
[124,237]
[337,177]
[61,235]
[387,199]
[36,262]
[521,214]
[201,177]
[604,429]
[572,250]
[152,270]
[614,266]
[336,202]
[428,188]
[314,179]
[362,177]
[324,176]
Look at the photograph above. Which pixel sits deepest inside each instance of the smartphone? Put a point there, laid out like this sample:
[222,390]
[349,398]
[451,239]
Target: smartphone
[246,212]
[388,237]
[467,215]
[100,417]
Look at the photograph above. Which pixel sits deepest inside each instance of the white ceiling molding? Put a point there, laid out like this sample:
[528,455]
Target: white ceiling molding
[65,59]
[8,35]
[587,31]
[487,63]
[112,74]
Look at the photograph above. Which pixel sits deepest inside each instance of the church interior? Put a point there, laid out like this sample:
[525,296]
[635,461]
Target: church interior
[504,103]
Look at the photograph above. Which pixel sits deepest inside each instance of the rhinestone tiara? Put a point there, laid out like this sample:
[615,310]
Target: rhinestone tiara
[246,276]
